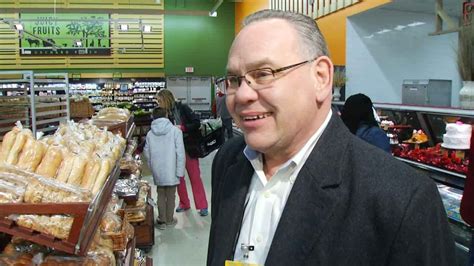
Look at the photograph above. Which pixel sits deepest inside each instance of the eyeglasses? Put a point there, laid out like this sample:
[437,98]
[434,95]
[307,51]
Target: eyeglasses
[258,78]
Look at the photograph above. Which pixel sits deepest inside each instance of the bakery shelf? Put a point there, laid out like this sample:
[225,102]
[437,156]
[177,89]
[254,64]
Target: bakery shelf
[86,219]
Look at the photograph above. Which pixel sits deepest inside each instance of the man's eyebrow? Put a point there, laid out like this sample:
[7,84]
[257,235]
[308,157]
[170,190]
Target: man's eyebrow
[251,66]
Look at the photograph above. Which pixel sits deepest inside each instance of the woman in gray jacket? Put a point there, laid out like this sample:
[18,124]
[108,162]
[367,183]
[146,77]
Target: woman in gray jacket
[164,152]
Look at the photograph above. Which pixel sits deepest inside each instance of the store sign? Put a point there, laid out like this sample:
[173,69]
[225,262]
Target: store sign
[65,34]
[189,69]
[467,11]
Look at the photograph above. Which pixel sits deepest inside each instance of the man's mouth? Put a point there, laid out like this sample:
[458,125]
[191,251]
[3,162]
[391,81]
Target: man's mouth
[255,117]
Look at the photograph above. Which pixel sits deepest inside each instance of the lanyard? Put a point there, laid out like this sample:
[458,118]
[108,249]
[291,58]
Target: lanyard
[237,235]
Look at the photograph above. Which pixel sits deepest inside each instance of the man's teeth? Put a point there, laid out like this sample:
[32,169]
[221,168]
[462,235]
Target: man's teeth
[255,117]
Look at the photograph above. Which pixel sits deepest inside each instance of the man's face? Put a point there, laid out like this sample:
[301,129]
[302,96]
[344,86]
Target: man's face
[280,117]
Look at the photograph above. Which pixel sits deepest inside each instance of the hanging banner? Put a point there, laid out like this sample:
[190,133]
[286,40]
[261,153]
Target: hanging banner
[65,34]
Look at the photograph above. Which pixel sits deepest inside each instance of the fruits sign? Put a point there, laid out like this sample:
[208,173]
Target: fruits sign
[65,34]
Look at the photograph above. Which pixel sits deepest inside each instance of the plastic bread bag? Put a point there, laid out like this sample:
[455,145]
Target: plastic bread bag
[20,141]
[15,179]
[51,161]
[9,193]
[58,225]
[8,141]
[111,223]
[55,191]
[100,256]
[32,154]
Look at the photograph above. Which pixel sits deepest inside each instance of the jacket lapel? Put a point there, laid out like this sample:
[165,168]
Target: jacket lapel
[231,207]
[312,200]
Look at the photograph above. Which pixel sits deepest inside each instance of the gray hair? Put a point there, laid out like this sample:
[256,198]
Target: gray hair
[313,41]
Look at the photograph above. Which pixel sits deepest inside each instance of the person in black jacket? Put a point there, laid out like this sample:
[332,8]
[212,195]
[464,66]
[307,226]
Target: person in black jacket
[298,188]
[184,118]
[358,115]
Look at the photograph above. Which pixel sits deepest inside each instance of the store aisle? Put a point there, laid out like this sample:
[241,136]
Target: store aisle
[186,243]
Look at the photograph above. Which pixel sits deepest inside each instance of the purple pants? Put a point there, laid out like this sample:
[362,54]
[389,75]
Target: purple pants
[199,194]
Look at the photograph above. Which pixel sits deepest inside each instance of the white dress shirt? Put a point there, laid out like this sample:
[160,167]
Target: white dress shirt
[266,200]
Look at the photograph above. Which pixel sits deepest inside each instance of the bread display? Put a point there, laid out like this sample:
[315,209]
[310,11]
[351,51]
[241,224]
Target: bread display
[70,166]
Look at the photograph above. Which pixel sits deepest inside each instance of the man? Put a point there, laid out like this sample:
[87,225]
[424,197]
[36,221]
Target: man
[300,189]
[222,111]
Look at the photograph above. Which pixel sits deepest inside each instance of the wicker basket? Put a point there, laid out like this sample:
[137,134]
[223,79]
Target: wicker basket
[121,238]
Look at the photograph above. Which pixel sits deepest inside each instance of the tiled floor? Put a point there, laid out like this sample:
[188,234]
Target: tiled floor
[186,243]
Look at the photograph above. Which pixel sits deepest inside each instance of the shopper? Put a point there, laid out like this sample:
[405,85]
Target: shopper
[358,115]
[222,111]
[164,151]
[183,117]
[299,188]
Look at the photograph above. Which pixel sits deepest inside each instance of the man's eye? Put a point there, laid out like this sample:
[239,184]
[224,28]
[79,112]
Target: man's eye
[262,73]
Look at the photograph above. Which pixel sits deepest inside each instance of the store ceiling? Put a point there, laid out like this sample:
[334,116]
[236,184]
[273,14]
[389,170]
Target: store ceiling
[452,7]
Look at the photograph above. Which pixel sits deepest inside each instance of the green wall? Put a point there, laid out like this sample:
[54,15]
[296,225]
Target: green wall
[202,42]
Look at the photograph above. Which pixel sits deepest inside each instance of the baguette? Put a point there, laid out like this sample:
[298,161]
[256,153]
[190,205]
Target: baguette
[77,171]
[17,147]
[105,169]
[51,162]
[90,174]
[7,144]
[66,167]
[32,154]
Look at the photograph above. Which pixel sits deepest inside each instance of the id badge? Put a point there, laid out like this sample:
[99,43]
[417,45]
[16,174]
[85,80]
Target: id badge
[239,263]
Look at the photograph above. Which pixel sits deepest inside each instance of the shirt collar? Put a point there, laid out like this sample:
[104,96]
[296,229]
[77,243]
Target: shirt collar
[300,157]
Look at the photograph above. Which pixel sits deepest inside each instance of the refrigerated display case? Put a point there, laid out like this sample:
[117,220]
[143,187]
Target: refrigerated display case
[447,167]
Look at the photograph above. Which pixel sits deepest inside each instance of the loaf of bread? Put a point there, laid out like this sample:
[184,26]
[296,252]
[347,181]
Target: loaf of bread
[90,174]
[51,162]
[31,155]
[77,171]
[66,166]
[20,140]
[7,144]
[34,192]
[105,169]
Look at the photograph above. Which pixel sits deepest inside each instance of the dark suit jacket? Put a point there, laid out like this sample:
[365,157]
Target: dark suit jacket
[351,204]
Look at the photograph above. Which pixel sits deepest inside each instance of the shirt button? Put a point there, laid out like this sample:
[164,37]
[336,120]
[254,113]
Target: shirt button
[259,239]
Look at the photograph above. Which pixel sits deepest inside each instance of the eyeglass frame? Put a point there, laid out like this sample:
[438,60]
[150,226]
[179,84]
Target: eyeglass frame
[274,71]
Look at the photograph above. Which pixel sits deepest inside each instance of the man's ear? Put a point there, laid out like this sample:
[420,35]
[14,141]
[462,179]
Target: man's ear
[323,71]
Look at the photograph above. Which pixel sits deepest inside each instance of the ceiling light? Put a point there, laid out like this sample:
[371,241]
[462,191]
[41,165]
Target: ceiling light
[18,26]
[417,23]
[400,27]
[123,27]
[383,31]
[146,28]
[213,14]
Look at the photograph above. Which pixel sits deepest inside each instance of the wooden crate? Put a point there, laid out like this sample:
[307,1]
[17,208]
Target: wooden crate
[81,109]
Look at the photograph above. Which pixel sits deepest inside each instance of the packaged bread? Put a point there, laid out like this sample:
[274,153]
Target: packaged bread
[105,169]
[90,174]
[31,155]
[15,179]
[51,162]
[34,192]
[7,144]
[9,193]
[59,226]
[77,171]
[20,140]
[110,223]
[66,167]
